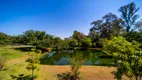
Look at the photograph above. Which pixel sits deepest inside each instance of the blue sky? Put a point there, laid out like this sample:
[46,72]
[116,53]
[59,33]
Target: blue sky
[56,17]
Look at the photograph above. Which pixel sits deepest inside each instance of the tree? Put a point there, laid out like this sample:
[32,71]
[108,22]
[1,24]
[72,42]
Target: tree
[86,42]
[129,16]
[35,38]
[32,37]
[94,44]
[58,43]
[73,43]
[78,36]
[17,39]
[4,39]
[133,35]
[65,43]
[127,55]
[110,25]
[76,61]
[49,40]
[33,61]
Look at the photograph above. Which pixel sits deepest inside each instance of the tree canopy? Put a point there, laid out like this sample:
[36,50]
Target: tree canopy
[127,55]
[129,16]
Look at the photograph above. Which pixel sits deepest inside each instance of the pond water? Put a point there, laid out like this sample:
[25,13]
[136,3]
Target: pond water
[89,57]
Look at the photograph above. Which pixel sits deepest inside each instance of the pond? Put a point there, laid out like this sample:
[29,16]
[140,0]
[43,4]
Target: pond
[89,57]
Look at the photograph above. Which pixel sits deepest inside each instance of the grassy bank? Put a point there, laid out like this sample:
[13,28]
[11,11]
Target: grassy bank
[12,66]
[9,53]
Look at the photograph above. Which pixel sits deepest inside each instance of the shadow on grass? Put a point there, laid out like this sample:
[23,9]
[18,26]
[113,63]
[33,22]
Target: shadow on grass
[23,49]
[67,76]
[22,77]
[26,49]
[106,65]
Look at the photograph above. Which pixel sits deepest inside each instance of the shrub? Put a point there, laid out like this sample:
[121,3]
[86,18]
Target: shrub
[76,61]
[33,61]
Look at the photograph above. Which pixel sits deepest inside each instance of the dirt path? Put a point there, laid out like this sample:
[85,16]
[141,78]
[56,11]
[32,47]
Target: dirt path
[87,72]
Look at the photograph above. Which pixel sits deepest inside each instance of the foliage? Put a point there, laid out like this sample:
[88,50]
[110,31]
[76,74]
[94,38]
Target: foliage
[76,61]
[129,16]
[127,55]
[48,41]
[94,44]
[4,39]
[110,25]
[35,38]
[86,42]
[73,43]
[17,40]
[65,76]
[58,43]
[78,36]
[133,35]
[32,37]
[33,61]
[65,43]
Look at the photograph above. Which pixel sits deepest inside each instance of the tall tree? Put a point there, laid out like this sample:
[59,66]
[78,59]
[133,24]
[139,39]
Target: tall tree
[36,38]
[129,16]
[58,43]
[110,25]
[78,35]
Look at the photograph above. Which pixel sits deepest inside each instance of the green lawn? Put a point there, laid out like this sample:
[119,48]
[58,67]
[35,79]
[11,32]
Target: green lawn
[9,53]
[12,66]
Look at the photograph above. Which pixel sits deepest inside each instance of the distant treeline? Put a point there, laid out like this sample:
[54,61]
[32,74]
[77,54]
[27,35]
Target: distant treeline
[128,25]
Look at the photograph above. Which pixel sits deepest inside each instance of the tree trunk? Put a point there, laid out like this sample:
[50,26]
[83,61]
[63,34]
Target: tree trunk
[130,78]
[32,74]
[140,77]
[136,77]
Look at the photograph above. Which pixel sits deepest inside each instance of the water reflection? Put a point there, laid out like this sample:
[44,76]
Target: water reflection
[90,57]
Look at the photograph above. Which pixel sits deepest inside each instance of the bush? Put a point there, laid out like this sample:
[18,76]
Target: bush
[94,44]
[86,42]
[76,61]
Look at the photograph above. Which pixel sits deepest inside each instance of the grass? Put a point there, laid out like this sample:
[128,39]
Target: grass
[9,53]
[14,64]
[14,69]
